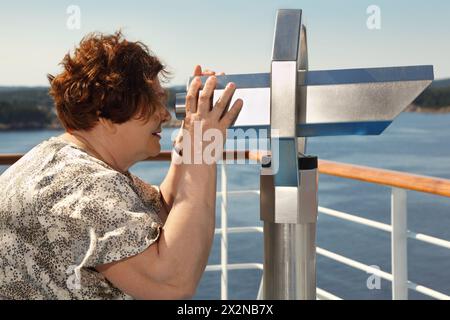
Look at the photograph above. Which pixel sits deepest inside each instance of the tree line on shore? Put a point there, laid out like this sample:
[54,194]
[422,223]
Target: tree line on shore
[435,97]
[32,108]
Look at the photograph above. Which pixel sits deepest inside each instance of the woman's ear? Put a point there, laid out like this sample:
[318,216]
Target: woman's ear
[108,125]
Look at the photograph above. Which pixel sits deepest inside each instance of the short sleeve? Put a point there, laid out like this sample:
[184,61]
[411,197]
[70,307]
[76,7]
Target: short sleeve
[102,221]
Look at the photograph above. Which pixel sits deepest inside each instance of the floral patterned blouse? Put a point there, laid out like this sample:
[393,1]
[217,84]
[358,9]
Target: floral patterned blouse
[63,212]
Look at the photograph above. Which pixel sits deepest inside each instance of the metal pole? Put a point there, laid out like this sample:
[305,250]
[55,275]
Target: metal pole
[306,239]
[289,261]
[399,244]
[289,229]
[290,252]
[260,290]
[281,274]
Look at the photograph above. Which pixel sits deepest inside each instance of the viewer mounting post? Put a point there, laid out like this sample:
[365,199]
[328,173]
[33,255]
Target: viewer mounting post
[295,103]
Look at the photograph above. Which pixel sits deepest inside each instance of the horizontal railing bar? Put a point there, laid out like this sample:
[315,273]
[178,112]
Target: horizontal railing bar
[328,296]
[427,291]
[354,264]
[236,266]
[325,295]
[358,265]
[240,230]
[9,158]
[355,219]
[432,185]
[362,221]
[352,218]
[429,239]
[382,274]
[384,227]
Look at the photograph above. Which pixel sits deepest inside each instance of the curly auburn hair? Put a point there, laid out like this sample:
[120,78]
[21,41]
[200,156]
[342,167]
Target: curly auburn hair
[107,77]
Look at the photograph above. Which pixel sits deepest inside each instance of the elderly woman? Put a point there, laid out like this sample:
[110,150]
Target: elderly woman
[74,222]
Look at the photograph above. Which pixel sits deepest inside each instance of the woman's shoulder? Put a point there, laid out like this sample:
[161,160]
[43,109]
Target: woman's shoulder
[56,166]
[73,164]
[59,173]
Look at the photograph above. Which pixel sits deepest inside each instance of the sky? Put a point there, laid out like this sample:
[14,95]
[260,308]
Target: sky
[231,36]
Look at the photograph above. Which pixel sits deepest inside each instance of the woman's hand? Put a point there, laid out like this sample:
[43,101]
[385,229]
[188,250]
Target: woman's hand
[198,72]
[201,116]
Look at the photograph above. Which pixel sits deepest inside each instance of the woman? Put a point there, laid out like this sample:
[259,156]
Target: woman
[74,222]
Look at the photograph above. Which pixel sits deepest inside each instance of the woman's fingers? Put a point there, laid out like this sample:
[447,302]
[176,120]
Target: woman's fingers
[224,101]
[205,99]
[202,102]
[197,70]
[230,117]
[192,95]
[208,72]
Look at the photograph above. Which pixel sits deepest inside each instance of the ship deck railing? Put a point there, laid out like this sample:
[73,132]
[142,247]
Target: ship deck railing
[399,183]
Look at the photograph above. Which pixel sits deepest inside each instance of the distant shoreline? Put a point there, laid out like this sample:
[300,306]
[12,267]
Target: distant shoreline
[419,109]
[26,108]
[175,123]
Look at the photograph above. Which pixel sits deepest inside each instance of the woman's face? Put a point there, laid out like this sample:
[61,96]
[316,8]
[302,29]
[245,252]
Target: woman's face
[140,139]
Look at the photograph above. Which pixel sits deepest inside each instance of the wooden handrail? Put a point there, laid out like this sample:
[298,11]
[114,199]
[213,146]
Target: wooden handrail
[11,158]
[396,179]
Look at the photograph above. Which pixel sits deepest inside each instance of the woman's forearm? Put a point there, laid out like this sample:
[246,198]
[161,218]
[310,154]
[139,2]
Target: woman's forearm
[169,186]
[188,233]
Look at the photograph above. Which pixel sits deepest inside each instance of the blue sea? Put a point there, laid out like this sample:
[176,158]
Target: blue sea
[416,143]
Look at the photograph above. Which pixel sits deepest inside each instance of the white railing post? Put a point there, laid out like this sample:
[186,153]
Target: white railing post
[261,289]
[399,244]
[224,236]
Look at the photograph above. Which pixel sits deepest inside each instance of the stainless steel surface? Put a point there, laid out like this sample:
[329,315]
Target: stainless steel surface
[281,270]
[250,116]
[296,204]
[308,196]
[369,75]
[287,35]
[283,111]
[306,260]
[267,195]
[289,261]
[329,77]
[180,105]
[336,103]
[360,102]
[289,246]
[286,204]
